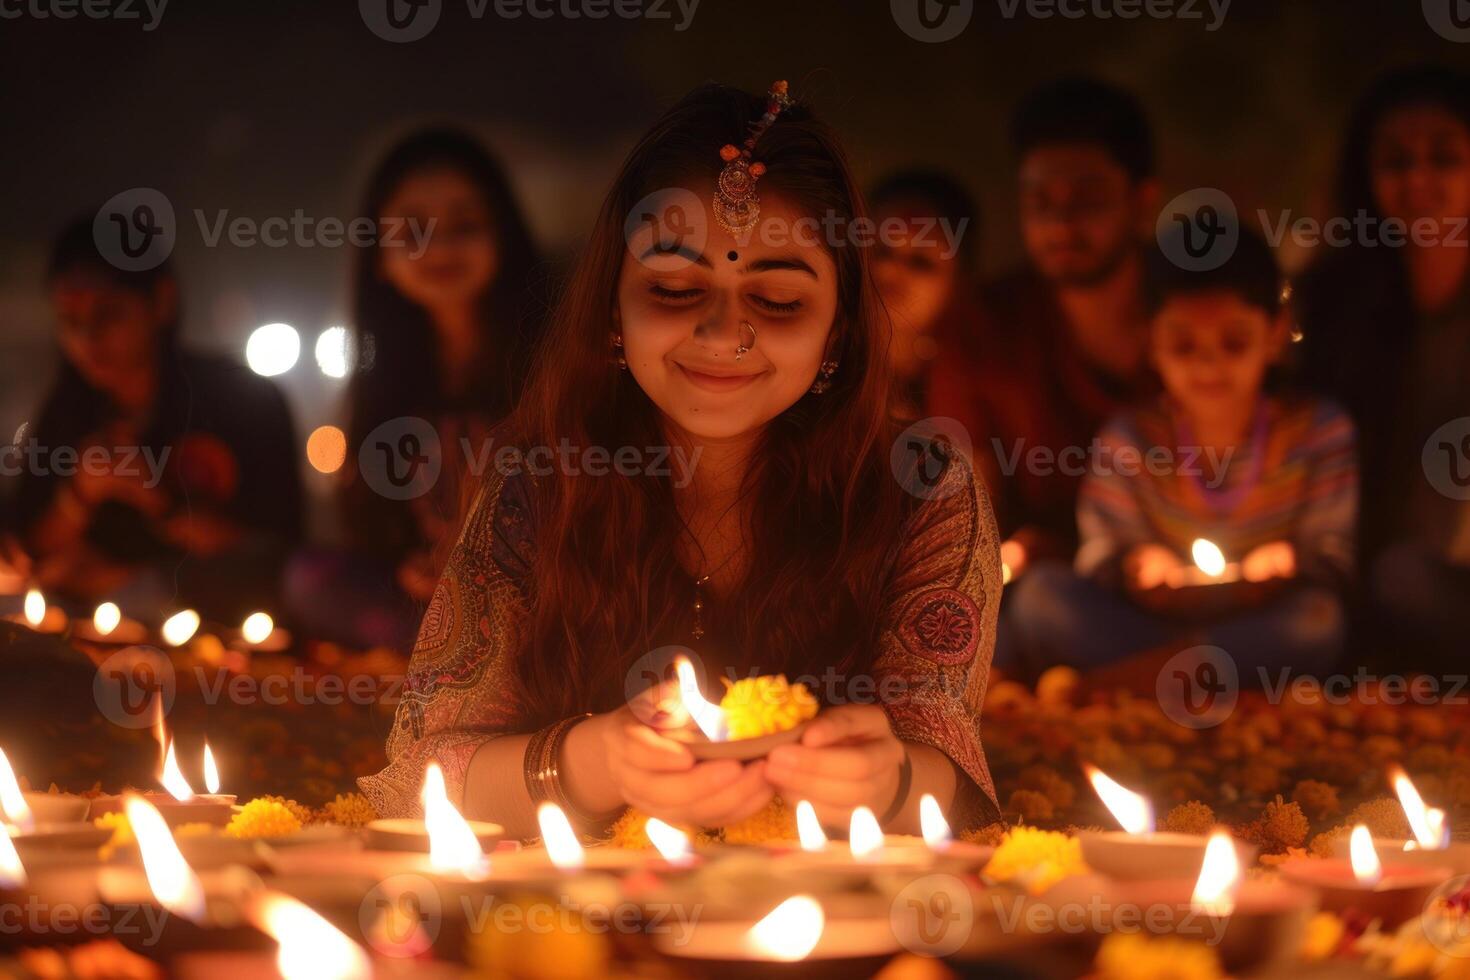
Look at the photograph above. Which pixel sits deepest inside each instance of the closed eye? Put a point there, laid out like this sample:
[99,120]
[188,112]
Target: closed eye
[771,306]
[674,295]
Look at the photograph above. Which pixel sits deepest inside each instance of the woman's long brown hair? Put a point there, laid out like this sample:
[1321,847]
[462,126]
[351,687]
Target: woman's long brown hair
[607,587]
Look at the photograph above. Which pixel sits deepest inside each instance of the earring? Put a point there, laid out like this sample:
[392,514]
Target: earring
[741,349]
[618,358]
[824,377]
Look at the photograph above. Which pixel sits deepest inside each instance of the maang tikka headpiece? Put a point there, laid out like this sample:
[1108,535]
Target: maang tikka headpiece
[737,207]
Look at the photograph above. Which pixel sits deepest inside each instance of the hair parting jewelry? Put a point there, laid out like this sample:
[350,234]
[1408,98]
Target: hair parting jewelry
[736,205]
[824,378]
[742,348]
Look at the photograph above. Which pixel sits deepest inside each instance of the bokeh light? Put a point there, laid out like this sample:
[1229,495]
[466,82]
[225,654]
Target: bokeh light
[326,449]
[331,352]
[273,349]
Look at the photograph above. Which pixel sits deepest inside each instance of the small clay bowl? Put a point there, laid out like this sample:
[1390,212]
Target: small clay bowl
[412,835]
[741,749]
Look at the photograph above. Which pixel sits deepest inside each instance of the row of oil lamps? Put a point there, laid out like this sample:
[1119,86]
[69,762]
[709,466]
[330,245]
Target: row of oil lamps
[110,625]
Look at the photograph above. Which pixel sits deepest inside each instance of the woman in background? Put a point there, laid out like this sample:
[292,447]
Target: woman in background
[165,477]
[445,323]
[1387,333]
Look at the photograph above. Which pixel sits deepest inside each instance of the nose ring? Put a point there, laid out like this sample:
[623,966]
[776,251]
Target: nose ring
[742,348]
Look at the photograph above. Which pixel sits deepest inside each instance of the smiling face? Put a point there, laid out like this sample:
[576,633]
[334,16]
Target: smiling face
[680,315]
[1420,162]
[1213,349]
[439,248]
[1081,212]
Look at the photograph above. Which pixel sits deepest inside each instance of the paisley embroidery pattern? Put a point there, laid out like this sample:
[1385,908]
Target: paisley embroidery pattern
[942,625]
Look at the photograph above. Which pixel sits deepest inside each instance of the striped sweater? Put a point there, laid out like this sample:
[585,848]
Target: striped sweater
[1144,487]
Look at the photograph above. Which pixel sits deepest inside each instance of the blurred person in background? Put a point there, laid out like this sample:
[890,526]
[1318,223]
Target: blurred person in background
[927,277]
[152,476]
[444,334]
[1386,324]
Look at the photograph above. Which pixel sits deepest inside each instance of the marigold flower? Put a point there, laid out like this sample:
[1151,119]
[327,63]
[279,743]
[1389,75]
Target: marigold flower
[756,706]
[263,818]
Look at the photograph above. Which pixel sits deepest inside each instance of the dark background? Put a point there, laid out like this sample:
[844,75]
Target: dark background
[269,106]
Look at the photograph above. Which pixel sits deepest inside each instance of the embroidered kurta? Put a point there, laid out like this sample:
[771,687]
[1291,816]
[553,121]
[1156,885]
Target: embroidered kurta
[936,641]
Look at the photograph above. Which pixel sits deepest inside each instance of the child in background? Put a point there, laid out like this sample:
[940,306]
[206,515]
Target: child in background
[1270,479]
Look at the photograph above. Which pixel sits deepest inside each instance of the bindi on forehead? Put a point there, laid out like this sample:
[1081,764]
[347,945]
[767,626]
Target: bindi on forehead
[733,255]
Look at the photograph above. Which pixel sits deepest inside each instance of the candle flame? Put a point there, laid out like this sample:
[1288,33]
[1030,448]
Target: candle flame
[12,872]
[1208,557]
[809,828]
[790,931]
[13,806]
[35,608]
[864,836]
[453,845]
[1428,836]
[1219,877]
[560,839]
[671,842]
[180,628]
[932,823]
[709,717]
[106,619]
[211,771]
[257,628]
[173,883]
[311,948]
[1132,811]
[1366,866]
[172,777]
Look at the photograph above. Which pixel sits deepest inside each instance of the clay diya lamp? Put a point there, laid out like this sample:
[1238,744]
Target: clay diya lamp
[1363,883]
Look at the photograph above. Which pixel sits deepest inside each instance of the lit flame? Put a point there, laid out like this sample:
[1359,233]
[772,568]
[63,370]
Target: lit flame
[1366,866]
[1132,811]
[211,771]
[35,608]
[790,931]
[13,805]
[180,628]
[1429,836]
[1219,877]
[257,628]
[1208,556]
[453,845]
[170,878]
[864,836]
[12,872]
[173,779]
[1006,574]
[709,717]
[106,618]
[932,823]
[311,948]
[671,842]
[560,839]
[809,828]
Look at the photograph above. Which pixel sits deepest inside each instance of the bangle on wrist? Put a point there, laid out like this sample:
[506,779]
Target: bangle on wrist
[542,768]
[901,793]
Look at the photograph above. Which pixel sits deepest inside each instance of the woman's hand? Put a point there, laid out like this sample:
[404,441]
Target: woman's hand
[1274,560]
[1149,566]
[659,776]
[848,757]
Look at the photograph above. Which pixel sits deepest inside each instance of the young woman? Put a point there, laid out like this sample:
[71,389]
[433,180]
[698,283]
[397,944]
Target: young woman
[789,545]
[1387,332]
[181,486]
[445,320]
